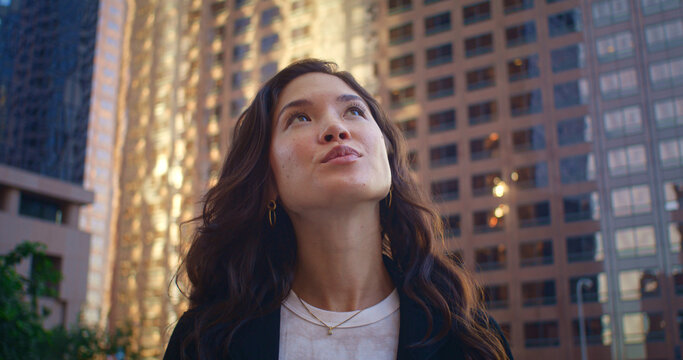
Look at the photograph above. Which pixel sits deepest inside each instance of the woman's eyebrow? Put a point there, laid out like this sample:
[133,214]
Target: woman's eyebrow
[300,102]
[348,97]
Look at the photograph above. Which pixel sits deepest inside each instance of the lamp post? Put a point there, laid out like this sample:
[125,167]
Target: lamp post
[582,325]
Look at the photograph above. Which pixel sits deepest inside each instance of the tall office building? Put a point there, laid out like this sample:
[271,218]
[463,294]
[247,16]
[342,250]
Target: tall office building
[102,160]
[189,68]
[46,66]
[550,132]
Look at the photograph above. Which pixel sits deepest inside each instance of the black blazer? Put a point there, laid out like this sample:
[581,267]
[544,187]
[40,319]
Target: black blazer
[260,338]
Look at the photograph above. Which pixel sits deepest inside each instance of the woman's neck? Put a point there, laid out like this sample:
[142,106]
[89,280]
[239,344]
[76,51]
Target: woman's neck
[339,259]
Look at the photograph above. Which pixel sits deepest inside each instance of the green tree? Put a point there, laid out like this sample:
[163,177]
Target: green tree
[22,335]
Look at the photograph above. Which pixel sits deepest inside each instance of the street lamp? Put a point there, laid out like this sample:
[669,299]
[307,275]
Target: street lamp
[583,282]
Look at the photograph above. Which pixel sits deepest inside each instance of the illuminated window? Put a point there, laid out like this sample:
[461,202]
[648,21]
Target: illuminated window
[623,121]
[523,68]
[483,184]
[488,221]
[643,327]
[631,200]
[531,176]
[610,12]
[671,152]
[669,112]
[619,83]
[638,284]
[627,160]
[485,148]
[615,46]
[635,241]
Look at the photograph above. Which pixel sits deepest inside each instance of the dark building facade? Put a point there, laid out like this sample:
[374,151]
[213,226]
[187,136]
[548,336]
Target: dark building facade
[46,65]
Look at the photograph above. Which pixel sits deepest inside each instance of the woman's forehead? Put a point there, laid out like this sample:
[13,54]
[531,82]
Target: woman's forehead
[312,85]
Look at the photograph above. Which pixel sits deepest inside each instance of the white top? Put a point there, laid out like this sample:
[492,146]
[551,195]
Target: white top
[372,334]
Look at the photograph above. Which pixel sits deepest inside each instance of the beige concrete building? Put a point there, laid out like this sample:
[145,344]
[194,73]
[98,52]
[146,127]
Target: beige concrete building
[36,208]
[102,161]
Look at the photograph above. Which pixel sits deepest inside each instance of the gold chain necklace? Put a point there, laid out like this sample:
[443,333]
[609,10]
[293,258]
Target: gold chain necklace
[329,328]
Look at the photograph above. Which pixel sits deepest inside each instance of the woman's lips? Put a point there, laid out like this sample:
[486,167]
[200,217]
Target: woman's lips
[341,154]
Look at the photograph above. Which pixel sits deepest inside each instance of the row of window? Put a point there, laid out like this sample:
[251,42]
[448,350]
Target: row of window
[626,201]
[604,12]
[516,35]
[638,328]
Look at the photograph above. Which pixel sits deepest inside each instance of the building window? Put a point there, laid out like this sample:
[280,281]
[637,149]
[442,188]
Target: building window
[442,121]
[301,32]
[654,6]
[529,139]
[610,12]
[240,78]
[486,221]
[452,225]
[586,247]
[520,34]
[268,43]
[631,200]
[523,68]
[402,97]
[571,93]
[480,78]
[671,152]
[538,293]
[438,23]
[597,292]
[441,87]
[513,6]
[40,207]
[615,46]
[401,65]
[531,176]
[241,3]
[478,45]
[526,103]
[577,168]
[496,296]
[677,276]
[673,195]
[669,112]
[236,106]
[481,113]
[635,241]
[483,184]
[598,330]
[443,155]
[269,16]
[581,207]
[50,264]
[566,22]
[268,70]
[242,25]
[619,83]
[667,73]
[398,6]
[568,58]
[541,334]
[477,12]
[535,253]
[643,327]
[401,34]
[408,127]
[490,258]
[675,236]
[239,52]
[623,121]
[627,160]
[638,284]
[445,190]
[574,131]
[438,55]
[534,214]
[484,148]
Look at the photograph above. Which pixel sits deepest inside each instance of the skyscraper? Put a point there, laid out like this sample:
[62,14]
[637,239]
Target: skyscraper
[549,132]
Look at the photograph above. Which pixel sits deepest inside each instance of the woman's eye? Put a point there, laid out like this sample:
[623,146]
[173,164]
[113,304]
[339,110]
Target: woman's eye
[354,111]
[301,118]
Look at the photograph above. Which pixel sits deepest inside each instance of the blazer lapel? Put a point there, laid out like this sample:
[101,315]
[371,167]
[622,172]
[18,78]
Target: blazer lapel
[258,338]
[413,324]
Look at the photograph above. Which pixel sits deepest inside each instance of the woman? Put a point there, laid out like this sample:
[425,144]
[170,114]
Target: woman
[316,242]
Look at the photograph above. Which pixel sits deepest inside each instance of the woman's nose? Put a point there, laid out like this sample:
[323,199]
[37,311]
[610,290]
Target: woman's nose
[335,132]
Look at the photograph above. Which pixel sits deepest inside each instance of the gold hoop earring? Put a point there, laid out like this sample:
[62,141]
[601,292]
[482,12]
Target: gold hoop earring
[272,218]
[389,198]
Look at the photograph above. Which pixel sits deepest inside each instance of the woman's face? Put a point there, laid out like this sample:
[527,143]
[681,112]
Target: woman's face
[326,150]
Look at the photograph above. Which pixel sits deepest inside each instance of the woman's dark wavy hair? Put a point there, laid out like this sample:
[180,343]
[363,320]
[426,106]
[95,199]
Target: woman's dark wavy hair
[240,268]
